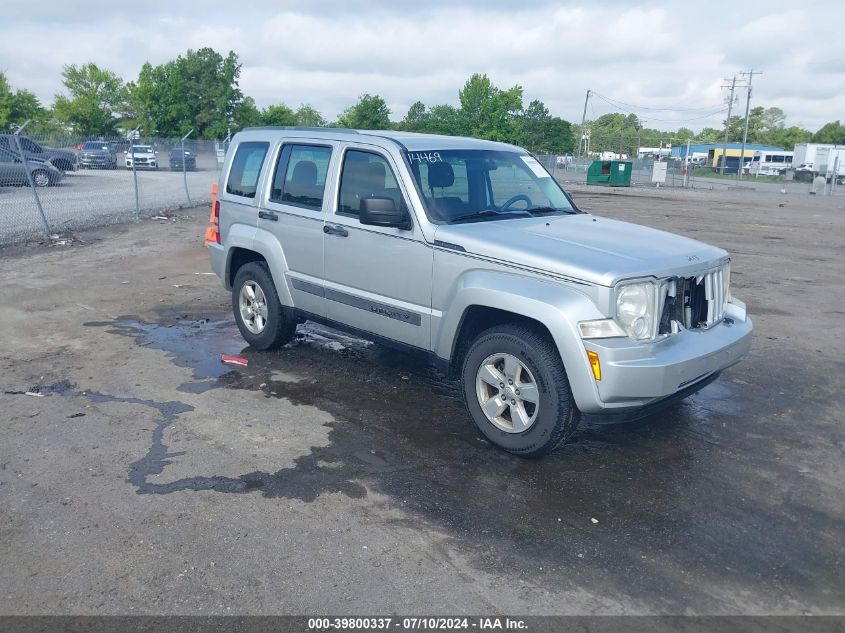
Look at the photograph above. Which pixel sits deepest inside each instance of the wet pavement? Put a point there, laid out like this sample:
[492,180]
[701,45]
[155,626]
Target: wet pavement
[336,475]
[616,507]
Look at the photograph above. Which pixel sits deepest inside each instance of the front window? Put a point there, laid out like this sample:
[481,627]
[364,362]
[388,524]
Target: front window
[92,145]
[366,175]
[470,185]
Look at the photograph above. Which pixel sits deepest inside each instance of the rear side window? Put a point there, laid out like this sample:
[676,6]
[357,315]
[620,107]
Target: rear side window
[246,167]
[366,175]
[300,178]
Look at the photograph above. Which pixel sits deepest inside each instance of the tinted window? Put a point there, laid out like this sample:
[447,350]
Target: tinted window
[246,167]
[366,175]
[300,178]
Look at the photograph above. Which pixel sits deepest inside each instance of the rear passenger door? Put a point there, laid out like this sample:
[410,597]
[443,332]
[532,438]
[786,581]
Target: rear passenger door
[293,211]
[377,279]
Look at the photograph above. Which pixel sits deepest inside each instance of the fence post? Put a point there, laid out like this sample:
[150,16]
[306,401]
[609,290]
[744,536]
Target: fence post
[132,134]
[185,169]
[30,180]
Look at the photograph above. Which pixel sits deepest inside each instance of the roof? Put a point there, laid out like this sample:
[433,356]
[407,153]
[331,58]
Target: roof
[409,140]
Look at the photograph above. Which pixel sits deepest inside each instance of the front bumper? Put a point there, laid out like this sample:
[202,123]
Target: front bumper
[637,375]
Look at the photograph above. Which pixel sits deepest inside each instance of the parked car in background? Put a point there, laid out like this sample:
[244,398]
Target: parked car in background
[97,154]
[183,159]
[144,157]
[13,171]
[61,159]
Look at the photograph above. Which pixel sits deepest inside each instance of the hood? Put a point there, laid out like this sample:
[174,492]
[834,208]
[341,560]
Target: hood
[583,246]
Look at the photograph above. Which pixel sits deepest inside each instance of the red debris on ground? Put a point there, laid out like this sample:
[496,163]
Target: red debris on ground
[234,360]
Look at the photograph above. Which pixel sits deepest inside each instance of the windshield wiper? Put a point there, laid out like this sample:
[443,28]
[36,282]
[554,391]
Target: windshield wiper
[487,213]
[542,210]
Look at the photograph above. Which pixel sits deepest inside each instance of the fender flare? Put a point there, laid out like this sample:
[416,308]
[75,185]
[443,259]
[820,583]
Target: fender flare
[267,245]
[556,305]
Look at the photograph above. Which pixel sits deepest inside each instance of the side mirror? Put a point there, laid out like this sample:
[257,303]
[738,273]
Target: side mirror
[383,212]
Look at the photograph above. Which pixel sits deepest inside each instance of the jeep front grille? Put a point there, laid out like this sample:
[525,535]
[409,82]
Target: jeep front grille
[691,303]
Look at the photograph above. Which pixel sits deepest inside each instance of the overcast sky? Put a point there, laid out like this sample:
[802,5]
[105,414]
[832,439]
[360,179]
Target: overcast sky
[648,55]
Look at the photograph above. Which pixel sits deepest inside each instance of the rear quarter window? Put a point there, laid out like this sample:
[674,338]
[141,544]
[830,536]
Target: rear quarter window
[246,167]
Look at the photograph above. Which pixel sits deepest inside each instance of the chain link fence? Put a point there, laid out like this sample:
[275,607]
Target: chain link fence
[53,185]
[570,170]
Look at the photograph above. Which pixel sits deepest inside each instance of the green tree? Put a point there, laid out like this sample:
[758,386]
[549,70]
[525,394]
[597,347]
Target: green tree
[489,112]
[445,119]
[540,132]
[833,132]
[196,90]
[308,116]
[278,115]
[246,114]
[5,102]
[416,120]
[97,99]
[369,113]
[684,133]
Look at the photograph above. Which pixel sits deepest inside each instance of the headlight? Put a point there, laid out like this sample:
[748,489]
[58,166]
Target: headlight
[636,309]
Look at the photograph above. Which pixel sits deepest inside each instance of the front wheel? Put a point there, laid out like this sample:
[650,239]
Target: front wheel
[516,390]
[40,178]
[258,312]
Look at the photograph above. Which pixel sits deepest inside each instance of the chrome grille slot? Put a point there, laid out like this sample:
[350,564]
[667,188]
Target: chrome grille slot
[691,303]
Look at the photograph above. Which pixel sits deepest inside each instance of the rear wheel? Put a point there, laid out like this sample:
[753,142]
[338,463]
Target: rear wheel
[516,390]
[257,309]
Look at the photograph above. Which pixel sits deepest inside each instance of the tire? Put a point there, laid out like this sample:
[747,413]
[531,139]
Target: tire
[40,178]
[277,328]
[553,418]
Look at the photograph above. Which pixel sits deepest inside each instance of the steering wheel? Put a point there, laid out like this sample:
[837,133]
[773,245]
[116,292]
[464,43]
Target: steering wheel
[514,199]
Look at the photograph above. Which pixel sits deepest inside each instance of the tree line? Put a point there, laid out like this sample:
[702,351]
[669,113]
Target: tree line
[199,91]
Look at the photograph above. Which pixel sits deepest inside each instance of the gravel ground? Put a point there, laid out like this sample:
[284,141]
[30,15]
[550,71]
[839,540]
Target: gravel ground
[96,197]
[337,476]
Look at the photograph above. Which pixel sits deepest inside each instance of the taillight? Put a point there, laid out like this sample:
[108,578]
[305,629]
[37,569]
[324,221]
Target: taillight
[212,233]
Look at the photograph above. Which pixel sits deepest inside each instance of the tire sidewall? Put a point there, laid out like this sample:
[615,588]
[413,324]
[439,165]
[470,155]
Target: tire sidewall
[551,395]
[260,275]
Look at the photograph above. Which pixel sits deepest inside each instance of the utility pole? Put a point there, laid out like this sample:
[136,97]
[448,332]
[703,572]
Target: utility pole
[727,125]
[750,75]
[583,122]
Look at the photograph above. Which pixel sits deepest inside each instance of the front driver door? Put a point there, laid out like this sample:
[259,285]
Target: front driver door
[377,279]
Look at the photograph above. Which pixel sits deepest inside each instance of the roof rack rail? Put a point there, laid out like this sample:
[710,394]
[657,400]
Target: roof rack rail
[303,128]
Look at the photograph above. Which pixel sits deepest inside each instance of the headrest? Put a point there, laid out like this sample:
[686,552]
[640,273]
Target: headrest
[440,175]
[375,175]
[304,173]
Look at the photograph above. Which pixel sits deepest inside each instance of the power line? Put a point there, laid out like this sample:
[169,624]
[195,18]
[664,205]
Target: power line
[618,102]
[650,118]
[707,115]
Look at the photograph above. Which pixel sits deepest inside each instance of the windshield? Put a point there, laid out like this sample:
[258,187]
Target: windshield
[469,185]
[142,149]
[97,145]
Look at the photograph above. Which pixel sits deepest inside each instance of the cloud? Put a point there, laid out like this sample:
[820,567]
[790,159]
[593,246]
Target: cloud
[653,56]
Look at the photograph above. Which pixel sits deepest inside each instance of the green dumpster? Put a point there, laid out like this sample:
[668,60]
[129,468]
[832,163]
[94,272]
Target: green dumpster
[611,173]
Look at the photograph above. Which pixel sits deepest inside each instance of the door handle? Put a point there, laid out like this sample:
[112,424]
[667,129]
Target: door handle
[335,229]
[268,215]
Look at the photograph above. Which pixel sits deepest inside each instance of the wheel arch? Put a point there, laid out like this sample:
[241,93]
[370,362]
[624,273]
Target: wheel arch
[246,244]
[484,299]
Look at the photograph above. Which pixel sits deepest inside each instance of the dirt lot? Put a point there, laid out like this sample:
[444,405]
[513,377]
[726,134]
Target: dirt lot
[336,476]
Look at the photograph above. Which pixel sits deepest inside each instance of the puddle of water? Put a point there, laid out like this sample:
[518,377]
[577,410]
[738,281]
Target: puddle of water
[664,486]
